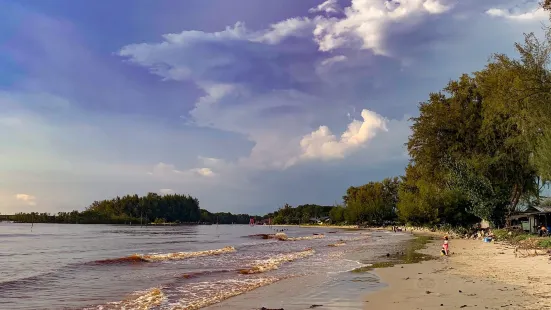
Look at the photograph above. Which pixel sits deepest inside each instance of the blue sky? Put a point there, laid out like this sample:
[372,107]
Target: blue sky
[244,104]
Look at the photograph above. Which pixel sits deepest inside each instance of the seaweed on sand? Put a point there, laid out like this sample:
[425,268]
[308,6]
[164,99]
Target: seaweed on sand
[408,256]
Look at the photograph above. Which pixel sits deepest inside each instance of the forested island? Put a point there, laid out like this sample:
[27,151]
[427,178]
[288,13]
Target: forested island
[479,149]
[133,209]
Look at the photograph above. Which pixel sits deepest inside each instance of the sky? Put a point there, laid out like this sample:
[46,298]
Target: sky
[244,104]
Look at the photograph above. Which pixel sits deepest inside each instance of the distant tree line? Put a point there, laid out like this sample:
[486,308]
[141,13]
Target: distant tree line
[151,208]
[373,203]
[298,215]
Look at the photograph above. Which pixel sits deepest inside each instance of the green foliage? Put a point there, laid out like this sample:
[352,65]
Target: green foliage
[513,236]
[134,209]
[372,203]
[337,214]
[159,221]
[171,208]
[424,203]
[226,218]
[479,140]
[545,243]
[409,256]
[301,214]
[542,156]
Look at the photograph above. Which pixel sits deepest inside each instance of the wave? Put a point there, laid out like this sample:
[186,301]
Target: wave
[340,243]
[156,257]
[203,294]
[16,284]
[138,300]
[260,266]
[262,236]
[359,238]
[284,237]
[196,274]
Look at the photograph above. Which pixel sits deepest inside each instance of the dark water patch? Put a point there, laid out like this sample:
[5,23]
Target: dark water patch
[198,274]
[24,235]
[27,282]
[409,255]
[365,279]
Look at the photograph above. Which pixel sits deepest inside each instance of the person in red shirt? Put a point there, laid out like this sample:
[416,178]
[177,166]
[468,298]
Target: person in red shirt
[445,246]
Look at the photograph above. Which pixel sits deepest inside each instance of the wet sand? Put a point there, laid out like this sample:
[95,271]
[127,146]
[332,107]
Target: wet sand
[477,275]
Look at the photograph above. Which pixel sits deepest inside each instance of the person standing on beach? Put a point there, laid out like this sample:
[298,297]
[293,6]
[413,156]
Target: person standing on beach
[445,246]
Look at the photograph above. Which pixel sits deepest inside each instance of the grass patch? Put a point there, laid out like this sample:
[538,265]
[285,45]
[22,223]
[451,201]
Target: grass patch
[545,243]
[513,237]
[408,256]
[522,240]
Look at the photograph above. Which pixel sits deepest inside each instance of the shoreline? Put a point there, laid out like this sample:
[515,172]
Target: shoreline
[319,226]
[476,275]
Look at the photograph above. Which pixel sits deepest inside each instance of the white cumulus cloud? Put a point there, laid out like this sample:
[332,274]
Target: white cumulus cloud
[531,14]
[27,199]
[366,22]
[166,191]
[205,172]
[334,59]
[323,144]
[329,7]
[164,170]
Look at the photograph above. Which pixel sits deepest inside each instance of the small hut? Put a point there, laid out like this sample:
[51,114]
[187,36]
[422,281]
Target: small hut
[532,218]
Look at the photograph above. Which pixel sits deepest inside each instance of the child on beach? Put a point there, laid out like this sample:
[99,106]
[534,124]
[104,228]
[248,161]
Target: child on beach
[445,246]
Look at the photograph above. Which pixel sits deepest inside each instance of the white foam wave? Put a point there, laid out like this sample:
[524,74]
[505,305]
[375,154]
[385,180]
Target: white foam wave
[142,300]
[260,266]
[284,237]
[183,255]
[204,294]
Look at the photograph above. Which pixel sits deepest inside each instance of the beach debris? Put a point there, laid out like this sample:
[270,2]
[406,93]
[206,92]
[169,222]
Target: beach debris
[428,292]
[315,306]
[460,291]
[264,308]
[464,306]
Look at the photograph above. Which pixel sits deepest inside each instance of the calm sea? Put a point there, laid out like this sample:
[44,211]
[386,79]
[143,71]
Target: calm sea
[174,267]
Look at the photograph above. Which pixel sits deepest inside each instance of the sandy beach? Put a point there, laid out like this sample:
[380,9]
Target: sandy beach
[477,275]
